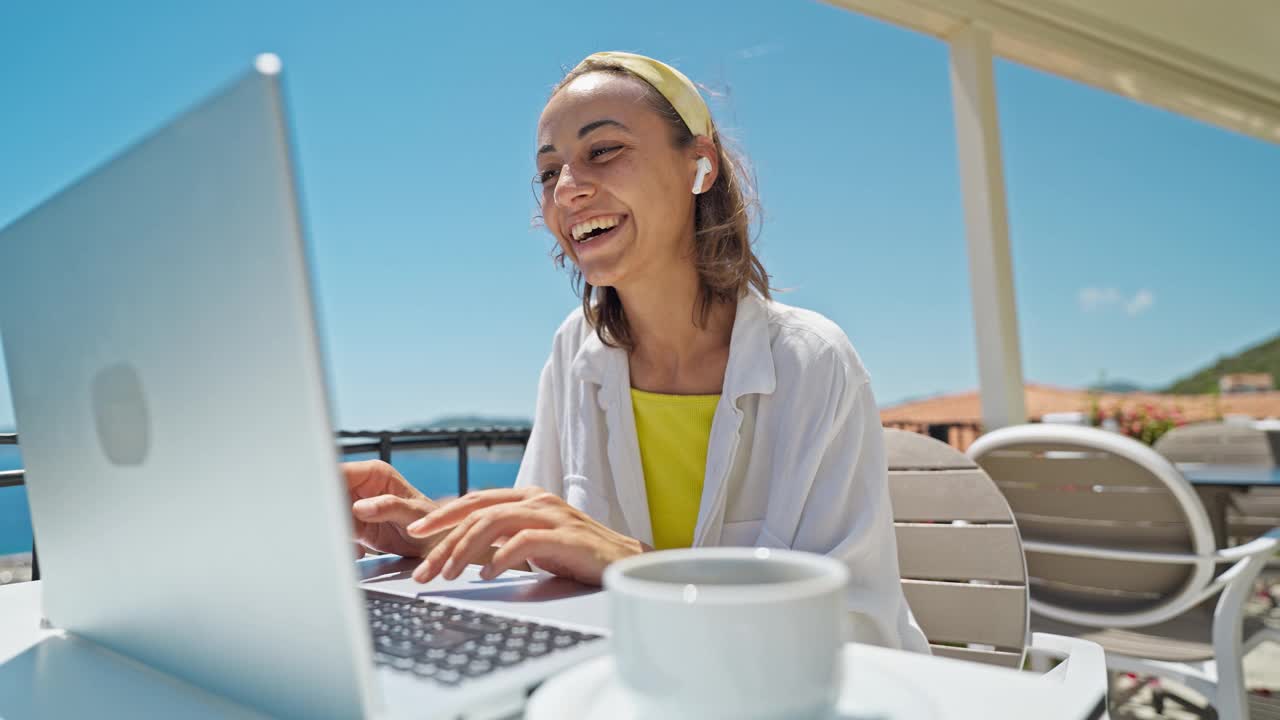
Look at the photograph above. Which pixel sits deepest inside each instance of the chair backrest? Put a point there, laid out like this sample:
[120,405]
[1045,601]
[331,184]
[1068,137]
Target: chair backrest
[958,550]
[1220,443]
[1114,535]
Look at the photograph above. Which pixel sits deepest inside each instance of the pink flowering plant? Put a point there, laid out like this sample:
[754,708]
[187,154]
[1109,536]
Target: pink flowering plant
[1145,422]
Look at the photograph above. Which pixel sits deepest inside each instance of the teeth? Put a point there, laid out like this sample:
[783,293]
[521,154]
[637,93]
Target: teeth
[600,223]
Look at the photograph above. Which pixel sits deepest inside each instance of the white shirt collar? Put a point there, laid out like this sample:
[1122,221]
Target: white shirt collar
[750,369]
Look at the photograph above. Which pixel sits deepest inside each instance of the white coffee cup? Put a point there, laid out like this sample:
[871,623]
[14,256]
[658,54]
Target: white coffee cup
[729,632]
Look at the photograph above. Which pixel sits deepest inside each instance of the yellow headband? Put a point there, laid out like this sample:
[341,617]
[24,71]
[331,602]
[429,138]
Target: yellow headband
[674,86]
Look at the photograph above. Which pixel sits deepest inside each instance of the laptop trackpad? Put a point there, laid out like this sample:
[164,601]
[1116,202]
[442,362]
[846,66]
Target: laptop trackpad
[534,595]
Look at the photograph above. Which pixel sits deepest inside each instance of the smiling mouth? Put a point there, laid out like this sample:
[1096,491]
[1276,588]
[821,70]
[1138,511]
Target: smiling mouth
[595,229]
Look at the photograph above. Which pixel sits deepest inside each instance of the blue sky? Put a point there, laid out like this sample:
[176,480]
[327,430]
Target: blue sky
[1144,244]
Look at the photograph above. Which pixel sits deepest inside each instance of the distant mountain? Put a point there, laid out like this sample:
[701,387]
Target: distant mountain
[469,421]
[1263,357]
[1116,386]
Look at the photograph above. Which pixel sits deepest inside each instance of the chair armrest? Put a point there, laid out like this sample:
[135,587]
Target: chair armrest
[1236,584]
[1265,544]
[1106,553]
[1083,672]
[1248,558]
[1084,666]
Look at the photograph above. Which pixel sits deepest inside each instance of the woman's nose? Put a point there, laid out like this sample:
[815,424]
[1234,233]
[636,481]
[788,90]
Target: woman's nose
[570,189]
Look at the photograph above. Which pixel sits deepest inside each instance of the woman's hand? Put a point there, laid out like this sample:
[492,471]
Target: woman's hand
[383,504]
[530,524]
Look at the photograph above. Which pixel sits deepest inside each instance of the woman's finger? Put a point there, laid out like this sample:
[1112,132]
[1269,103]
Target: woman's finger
[519,549]
[476,543]
[360,473]
[389,508]
[455,511]
[433,563]
[375,477]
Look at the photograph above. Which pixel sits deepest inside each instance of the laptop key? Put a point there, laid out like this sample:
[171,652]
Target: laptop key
[443,638]
[425,669]
[436,653]
[448,677]
[474,625]
[478,667]
[457,660]
[399,648]
[403,663]
[509,657]
[536,649]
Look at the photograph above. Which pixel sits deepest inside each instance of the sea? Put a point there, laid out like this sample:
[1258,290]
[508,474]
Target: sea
[434,472]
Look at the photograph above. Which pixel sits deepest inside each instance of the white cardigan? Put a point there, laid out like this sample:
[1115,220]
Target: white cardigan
[795,460]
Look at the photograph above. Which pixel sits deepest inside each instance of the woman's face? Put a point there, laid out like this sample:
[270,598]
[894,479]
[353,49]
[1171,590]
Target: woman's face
[615,192]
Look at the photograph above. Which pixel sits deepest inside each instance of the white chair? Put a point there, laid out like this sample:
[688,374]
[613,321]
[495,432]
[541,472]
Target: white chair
[1219,443]
[962,566]
[1120,551]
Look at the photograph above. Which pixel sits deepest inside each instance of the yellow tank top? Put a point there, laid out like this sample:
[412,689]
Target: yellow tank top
[673,432]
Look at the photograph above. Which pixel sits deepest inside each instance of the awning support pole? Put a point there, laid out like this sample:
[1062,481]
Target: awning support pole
[986,220]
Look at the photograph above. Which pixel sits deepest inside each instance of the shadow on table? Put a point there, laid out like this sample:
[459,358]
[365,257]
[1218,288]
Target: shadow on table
[533,589]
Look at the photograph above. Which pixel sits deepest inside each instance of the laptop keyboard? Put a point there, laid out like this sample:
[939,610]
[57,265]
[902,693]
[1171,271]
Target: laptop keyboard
[447,644]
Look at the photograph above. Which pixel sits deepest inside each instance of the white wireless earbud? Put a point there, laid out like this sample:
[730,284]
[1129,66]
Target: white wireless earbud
[704,167]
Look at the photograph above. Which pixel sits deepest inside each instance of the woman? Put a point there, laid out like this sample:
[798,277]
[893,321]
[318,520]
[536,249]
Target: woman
[680,406]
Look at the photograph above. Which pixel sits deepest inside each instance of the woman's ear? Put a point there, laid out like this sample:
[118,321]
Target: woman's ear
[706,164]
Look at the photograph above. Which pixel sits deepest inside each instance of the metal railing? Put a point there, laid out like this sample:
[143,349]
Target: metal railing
[9,478]
[386,442]
[14,478]
[383,442]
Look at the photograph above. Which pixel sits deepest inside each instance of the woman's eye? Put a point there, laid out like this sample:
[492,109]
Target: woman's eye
[599,152]
[544,176]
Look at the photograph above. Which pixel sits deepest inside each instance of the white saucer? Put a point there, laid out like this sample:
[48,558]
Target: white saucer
[591,691]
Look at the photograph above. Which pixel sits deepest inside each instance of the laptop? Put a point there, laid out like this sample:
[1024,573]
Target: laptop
[159,330]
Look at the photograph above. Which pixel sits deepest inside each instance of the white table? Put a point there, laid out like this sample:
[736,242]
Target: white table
[952,688]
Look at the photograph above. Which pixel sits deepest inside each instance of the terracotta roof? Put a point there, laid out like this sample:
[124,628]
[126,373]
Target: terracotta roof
[967,408]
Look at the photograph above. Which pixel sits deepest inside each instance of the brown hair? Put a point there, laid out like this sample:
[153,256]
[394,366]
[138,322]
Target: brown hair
[723,218]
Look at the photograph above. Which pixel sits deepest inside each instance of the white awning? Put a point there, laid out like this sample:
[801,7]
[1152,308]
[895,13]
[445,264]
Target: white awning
[1214,60]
